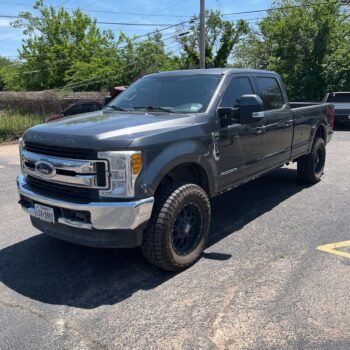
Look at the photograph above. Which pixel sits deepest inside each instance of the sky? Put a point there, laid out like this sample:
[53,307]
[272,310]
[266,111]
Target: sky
[148,12]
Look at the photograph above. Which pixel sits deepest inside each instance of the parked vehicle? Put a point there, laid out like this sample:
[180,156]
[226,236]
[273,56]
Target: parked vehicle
[143,172]
[77,108]
[341,102]
[113,93]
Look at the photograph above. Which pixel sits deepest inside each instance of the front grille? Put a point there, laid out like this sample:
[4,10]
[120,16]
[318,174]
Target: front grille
[69,153]
[62,190]
[65,152]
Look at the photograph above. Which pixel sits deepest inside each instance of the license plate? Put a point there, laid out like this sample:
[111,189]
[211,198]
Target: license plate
[44,213]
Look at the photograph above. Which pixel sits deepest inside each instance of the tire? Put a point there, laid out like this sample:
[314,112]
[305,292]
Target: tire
[311,166]
[181,214]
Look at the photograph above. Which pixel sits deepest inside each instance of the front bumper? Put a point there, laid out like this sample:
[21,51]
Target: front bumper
[101,215]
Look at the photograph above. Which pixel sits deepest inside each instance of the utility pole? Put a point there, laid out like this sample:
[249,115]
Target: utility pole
[202,35]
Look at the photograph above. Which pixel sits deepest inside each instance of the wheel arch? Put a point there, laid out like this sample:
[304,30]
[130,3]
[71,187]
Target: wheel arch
[187,172]
[185,161]
[321,132]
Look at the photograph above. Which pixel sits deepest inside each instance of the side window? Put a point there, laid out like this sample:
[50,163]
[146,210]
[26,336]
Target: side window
[72,110]
[235,89]
[89,107]
[270,92]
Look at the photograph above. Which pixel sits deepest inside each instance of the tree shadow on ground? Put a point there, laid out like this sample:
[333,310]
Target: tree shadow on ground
[55,272]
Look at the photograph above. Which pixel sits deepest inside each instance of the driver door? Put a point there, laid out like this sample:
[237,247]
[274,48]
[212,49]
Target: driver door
[240,145]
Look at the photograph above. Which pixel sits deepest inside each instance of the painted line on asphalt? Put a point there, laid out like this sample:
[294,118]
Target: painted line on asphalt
[332,248]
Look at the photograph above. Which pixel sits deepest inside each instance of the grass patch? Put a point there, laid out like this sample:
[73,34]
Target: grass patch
[13,124]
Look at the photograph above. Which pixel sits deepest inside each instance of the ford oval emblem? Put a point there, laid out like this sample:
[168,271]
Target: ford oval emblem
[45,169]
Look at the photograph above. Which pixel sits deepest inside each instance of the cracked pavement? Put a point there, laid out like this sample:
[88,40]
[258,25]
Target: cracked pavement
[261,283]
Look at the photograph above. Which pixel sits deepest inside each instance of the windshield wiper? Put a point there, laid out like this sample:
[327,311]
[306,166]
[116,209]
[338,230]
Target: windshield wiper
[116,108]
[155,109]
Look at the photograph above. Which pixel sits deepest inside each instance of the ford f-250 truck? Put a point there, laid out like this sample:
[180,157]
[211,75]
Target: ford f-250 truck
[142,172]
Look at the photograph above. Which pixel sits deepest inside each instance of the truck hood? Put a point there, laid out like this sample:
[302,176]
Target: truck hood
[104,130]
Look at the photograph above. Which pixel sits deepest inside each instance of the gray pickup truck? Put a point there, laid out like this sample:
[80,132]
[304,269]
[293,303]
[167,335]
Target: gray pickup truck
[341,102]
[142,172]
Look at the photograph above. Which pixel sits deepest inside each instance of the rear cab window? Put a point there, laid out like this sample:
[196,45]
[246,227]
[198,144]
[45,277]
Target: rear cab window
[270,92]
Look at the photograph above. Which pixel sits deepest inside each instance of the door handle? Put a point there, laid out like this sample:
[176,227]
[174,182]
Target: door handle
[288,123]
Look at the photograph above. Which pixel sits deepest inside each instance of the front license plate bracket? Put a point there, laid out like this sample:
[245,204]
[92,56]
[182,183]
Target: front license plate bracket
[44,213]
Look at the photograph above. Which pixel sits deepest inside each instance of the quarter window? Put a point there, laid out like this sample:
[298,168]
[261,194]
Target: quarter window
[235,90]
[270,93]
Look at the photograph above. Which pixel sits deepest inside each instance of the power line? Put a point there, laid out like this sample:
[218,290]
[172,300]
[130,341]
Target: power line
[54,68]
[281,8]
[163,29]
[98,11]
[109,23]
[219,5]
[168,7]
[136,37]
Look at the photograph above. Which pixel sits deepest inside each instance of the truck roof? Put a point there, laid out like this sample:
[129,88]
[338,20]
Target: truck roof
[214,71]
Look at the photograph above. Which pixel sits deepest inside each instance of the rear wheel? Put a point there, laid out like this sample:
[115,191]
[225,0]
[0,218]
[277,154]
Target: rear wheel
[311,166]
[177,232]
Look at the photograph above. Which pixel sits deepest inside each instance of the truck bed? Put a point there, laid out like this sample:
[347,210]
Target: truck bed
[307,116]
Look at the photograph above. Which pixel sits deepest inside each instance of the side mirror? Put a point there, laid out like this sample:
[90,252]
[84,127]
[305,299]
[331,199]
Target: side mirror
[251,109]
[228,115]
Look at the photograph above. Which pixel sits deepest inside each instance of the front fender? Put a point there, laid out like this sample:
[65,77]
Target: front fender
[161,162]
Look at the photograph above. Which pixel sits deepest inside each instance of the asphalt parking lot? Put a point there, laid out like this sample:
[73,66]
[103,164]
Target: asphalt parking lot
[261,284]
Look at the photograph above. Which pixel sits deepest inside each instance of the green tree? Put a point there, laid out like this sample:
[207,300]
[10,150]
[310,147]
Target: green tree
[56,42]
[131,60]
[303,41]
[144,57]
[221,37]
[336,65]
[300,38]
[251,52]
[9,73]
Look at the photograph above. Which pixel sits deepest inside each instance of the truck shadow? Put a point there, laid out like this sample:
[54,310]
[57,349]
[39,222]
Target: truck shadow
[56,272]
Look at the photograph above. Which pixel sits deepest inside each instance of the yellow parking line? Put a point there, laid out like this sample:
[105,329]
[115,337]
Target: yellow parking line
[332,248]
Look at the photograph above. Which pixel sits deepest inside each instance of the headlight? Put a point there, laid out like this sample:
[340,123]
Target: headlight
[124,167]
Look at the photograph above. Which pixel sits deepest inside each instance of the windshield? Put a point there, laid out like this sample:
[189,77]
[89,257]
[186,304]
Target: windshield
[170,94]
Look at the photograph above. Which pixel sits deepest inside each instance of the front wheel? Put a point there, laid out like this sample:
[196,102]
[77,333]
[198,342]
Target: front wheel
[311,166]
[178,229]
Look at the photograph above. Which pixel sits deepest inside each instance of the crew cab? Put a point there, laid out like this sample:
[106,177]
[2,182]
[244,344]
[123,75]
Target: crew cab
[142,172]
[341,102]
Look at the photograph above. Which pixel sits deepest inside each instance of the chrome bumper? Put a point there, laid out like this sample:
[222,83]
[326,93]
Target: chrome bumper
[104,215]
